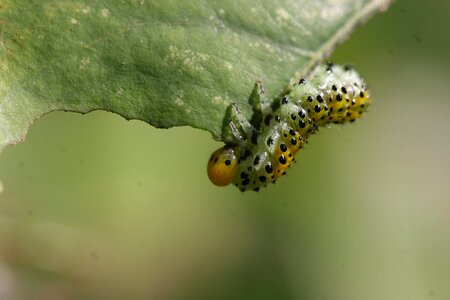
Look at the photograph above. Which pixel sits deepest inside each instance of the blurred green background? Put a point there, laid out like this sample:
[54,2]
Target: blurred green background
[96,207]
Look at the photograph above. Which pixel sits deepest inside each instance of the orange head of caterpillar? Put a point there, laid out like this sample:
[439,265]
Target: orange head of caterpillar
[222,166]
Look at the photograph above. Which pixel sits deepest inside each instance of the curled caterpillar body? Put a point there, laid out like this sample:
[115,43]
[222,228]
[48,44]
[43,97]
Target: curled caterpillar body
[332,94]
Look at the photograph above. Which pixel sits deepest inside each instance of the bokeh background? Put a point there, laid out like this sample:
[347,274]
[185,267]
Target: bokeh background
[96,207]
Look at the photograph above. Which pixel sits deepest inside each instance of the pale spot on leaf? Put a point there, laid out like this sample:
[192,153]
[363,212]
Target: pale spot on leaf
[105,12]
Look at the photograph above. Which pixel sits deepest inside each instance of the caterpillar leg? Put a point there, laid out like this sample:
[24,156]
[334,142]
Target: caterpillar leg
[259,101]
[240,127]
[237,134]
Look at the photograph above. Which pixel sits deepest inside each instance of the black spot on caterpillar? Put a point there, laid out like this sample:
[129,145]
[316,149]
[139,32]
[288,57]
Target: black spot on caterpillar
[263,152]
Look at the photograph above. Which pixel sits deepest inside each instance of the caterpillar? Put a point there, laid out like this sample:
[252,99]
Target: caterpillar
[263,150]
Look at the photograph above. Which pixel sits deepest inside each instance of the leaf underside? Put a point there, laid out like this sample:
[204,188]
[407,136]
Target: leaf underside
[168,63]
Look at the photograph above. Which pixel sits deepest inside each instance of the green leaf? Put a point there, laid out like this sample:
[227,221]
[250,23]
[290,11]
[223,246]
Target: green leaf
[168,63]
